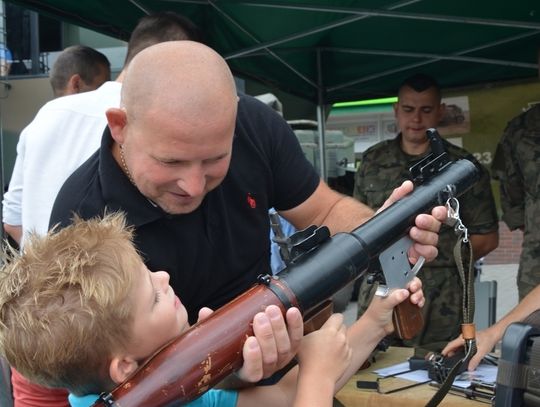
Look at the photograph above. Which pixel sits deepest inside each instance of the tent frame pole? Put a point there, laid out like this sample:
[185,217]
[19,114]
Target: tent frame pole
[321,117]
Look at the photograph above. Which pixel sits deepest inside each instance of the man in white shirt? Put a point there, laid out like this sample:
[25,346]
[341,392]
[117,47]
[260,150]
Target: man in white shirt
[79,69]
[64,133]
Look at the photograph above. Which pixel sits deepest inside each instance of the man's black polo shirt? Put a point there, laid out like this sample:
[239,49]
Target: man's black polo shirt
[216,252]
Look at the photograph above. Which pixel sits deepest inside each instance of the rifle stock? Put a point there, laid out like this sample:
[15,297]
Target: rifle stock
[212,349]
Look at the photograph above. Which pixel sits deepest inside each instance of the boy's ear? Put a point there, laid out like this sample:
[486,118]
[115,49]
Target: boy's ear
[121,368]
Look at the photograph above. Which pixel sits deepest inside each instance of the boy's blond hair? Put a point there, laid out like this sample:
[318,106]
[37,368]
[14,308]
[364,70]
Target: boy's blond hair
[66,303]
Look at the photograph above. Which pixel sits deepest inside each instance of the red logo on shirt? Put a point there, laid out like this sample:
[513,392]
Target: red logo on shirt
[251,201]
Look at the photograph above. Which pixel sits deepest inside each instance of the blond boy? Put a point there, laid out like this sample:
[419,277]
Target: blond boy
[80,310]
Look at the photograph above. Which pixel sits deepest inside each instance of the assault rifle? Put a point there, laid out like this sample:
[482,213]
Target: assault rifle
[322,264]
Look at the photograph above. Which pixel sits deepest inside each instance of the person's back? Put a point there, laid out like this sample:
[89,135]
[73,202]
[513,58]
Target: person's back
[54,143]
[63,135]
[516,165]
[79,69]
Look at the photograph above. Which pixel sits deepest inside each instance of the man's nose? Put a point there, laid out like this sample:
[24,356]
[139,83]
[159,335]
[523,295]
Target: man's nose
[193,180]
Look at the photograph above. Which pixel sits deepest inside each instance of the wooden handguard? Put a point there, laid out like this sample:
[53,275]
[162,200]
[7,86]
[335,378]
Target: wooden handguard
[316,318]
[408,320]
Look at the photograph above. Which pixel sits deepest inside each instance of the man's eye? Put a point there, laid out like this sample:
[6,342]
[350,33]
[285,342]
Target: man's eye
[214,160]
[157,297]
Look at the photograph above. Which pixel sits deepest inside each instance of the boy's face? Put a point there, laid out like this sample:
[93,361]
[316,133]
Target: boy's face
[159,315]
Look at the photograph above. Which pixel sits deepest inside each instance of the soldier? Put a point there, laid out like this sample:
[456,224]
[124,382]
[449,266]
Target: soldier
[516,164]
[385,165]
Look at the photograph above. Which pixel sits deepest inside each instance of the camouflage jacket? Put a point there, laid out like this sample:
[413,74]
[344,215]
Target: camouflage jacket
[385,166]
[517,167]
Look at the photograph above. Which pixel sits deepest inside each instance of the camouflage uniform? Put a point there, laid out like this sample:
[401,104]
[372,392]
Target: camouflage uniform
[517,166]
[385,166]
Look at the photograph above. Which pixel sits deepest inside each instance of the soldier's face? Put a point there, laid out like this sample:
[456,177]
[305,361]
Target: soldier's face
[416,112]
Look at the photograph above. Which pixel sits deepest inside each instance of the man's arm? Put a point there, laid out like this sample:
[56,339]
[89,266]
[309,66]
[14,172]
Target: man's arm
[506,169]
[330,208]
[12,204]
[479,215]
[14,231]
[359,189]
[343,214]
[484,243]
[487,338]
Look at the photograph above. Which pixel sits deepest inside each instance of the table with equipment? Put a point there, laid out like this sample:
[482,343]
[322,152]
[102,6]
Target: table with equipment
[415,395]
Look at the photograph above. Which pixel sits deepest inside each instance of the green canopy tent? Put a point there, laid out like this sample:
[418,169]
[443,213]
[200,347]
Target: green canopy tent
[330,51]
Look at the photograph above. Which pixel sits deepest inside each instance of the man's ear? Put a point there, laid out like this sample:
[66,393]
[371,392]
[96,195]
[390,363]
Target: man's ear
[74,84]
[117,120]
[121,368]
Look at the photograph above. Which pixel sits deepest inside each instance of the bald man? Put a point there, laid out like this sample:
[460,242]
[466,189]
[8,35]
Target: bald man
[196,168]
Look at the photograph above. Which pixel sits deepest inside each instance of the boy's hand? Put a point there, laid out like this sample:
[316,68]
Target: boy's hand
[326,351]
[426,229]
[380,309]
[275,342]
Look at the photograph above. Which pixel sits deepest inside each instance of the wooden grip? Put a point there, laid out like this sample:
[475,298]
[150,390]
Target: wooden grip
[408,320]
[316,317]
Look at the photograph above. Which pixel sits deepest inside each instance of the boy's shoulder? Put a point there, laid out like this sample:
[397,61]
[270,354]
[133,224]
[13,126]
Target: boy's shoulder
[212,398]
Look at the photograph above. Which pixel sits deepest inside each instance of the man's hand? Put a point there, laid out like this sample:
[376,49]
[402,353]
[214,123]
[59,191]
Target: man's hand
[485,342]
[275,342]
[425,232]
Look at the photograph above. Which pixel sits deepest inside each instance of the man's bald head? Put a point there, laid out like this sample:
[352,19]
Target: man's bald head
[184,78]
[173,135]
